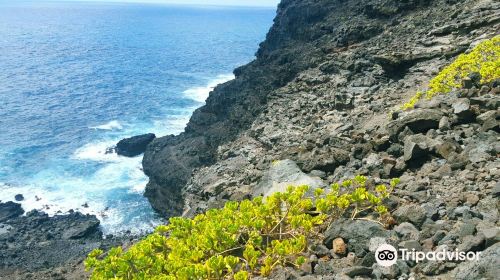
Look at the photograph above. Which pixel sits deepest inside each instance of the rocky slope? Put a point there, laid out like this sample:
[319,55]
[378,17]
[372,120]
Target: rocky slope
[319,98]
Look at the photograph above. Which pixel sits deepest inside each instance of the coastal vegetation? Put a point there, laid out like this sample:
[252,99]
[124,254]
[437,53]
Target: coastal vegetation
[484,59]
[245,238]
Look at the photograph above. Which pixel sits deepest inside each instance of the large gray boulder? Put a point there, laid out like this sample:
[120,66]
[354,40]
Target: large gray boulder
[357,234]
[418,121]
[418,146]
[412,213]
[284,173]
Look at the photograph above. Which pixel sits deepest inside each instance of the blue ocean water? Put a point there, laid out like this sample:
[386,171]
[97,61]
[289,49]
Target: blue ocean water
[77,77]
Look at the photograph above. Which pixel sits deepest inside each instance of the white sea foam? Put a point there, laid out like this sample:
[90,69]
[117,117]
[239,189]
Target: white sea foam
[114,191]
[98,151]
[200,94]
[112,125]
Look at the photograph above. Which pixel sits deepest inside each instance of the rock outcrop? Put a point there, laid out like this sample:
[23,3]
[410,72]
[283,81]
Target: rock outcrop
[10,210]
[134,146]
[34,242]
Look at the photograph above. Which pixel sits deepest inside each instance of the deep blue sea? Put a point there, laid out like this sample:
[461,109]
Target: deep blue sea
[77,77]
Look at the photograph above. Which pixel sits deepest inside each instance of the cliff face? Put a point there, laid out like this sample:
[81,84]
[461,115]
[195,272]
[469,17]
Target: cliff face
[321,104]
[323,82]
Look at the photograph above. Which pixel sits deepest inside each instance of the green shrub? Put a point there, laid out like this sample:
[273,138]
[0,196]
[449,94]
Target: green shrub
[242,239]
[483,59]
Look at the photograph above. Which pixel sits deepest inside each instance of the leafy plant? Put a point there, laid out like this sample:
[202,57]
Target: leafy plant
[483,59]
[245,238]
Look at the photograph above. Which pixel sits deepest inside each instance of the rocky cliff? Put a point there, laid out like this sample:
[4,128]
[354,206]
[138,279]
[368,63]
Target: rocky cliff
[319,93]
[321,101]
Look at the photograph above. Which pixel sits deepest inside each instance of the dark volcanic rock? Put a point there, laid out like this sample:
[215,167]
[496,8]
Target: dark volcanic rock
[418,146]
[10,210]
[412,213]
[357,233]
[418,121]
[134,146]
[486,267]
[82,229]
[36,241]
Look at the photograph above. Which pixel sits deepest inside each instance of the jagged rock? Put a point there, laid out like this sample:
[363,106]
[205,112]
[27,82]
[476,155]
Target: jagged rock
[284,173]
[357,271]
[471,243]
[418,147]
[482,148]
[448,148]
[410,245]
[495,192]
[37,241]
[462,108]
[412,213]
[9,210]
[390,272]
[486,267]
[320,250]
[418,121]
[357,234]
[87,227]
[491,236]
[444,123]
[407,231]
[489,120]
[466,229]
[134,146]
[488,101]
[325,161]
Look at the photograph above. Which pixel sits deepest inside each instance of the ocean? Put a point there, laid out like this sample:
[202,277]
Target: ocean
[77,77]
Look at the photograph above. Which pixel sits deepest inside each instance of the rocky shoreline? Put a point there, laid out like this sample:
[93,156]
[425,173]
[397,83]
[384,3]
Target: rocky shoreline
[36,246]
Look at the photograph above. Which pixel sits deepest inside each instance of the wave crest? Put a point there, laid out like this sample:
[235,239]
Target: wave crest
[112,125]
[200,94]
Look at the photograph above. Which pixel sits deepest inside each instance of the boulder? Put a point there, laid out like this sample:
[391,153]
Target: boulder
[407,231]
[357,271]
[134,146]
[412,213]
[19,197]
[418,146]
[326,159]
[418,121]
[89,225]
[486,267]
[284,173]
[9,210]
[357,234]
[487,101]
[462,108]
[489,120]
[491,235]
[495,192]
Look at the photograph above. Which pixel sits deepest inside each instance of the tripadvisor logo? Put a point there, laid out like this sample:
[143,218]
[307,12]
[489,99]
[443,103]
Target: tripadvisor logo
[387,255]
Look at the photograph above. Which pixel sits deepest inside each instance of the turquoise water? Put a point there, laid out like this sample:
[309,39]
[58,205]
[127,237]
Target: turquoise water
[77,77]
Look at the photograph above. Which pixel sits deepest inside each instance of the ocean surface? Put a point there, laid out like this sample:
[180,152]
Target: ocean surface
[77,77]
